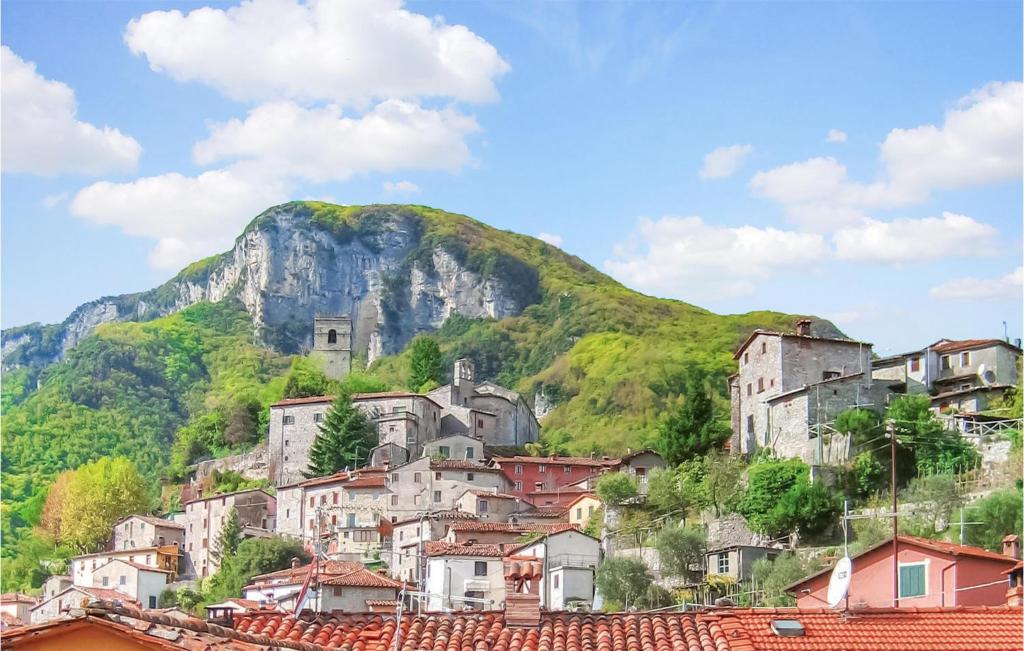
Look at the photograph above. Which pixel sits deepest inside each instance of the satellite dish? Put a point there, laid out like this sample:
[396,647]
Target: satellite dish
[986,375]
[839,583]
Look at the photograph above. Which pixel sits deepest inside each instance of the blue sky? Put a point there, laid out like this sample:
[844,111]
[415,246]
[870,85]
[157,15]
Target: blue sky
[684,148]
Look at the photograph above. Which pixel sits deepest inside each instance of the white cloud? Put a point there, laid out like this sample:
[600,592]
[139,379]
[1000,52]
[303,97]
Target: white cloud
[401,187]
[683,256]
[914,240]
[41,134]
[835,135]
[977,144]
[553,240]
[190,217]
[723,162]
[320,144]
[51,201]
[348,52]
[1008,287]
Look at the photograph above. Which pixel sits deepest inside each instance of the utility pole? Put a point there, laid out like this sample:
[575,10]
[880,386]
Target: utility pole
[895,519]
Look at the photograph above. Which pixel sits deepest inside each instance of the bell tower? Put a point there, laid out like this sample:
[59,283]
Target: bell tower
[332,344]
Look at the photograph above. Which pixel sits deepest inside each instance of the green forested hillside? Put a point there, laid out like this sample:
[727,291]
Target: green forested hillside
[611,361]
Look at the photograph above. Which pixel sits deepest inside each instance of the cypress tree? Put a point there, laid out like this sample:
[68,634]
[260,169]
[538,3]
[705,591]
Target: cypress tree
[229,538]
[424,363]
[344,441]
[691,430]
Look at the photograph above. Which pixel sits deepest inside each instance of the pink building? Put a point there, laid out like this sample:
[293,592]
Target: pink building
[931,573]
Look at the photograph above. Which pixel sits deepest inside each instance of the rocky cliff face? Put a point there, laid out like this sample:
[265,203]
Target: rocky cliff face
[291,264]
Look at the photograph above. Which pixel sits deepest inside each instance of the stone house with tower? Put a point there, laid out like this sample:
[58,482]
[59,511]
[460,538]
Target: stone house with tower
[790,383]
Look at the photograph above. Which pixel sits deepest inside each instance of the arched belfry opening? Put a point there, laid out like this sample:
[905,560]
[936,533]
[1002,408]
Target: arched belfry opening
[332,336]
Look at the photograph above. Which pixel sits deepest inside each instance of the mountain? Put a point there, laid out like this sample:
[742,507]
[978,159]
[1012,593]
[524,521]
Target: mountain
[191,365]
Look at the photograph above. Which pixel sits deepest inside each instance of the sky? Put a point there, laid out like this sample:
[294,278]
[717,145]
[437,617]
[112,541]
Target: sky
[857,161]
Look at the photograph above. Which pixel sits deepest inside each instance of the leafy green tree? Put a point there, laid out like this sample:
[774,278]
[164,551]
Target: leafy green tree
[425,364]
[772,577]
[867,476]
[681,550]
[254,556]
[692,429]
[1000,513]
[780,499]
[623,581]
[934,497]
[933,448]
[98,495]
[305,379]
[229,538]
[665,494]
[721,481]
[344,440]
[616,488]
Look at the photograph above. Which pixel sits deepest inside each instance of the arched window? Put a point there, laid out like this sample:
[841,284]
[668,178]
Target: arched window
[332,336]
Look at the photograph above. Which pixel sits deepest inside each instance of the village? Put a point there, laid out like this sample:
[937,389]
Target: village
[451,514]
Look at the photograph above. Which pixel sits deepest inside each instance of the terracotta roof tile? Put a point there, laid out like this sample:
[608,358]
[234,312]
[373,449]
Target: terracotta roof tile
[949,346]
[363,578]
[887,629]
[15,597]
[460,464]
[312,400]
[498,496]
[471,526]
[441,548]
[153,520]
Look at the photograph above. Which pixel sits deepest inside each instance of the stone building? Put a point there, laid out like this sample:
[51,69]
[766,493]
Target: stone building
[428,484]
[140,582]
[204,520]
[405,420]
[332,345]
[138,531]
[789,382]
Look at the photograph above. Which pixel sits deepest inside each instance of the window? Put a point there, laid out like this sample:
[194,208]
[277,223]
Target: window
[312,502]
[394,478]
[519,468]
[123,580]
[912,580]
[470,476]
[945,363]
[760,384]
[764,348]
[567,469]
[750,424]
[590,510]
[323,500]
[287,514]
[152,601]
[312,525]
[482,506]
[286,443]
[470,453]
[480,568]
[334,498]
[538,486]
[350,520]
[332,336]
[519,485]
[289,420]
[554,581]
[723,563]
[579,513]
[206,543]
[318,417]
[542,468]
[437,496]
[437,475]
[334,520]
[915,365]
[394,500]
[417,478]
[965,359]
[746,357]
[829,375]
[446,451]
[750,389]
[337,590]
[416,500]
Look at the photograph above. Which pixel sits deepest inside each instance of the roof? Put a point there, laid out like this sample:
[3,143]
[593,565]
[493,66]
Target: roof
[451,514]
[482,493]
[392,394]
[148,629]
[544,512]
[382,602]
[557,529]
[118,553]
[810,385]
[236,493]
[944,346]
[312,400]
[939,546]
[885,629]
[631,455]
[441,548]
[489,630]
[16,597]
[580,497]
[472,526]
[792,335]
[460,464]
[363,578]
[298,574]
[138,566]
[153,520]
[243,604]
[557,461]
[103,594]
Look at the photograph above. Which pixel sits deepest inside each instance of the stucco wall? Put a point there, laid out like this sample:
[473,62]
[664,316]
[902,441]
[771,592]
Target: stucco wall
[455,575]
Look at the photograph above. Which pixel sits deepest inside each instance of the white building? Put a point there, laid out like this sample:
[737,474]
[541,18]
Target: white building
[137,531]
[336,586]
[141,583]
[462,576]
[570,559]
[166,559]
[75,596]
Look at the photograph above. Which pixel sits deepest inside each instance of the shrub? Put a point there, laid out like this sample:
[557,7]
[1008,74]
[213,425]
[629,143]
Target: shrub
[616,488]
[624,581]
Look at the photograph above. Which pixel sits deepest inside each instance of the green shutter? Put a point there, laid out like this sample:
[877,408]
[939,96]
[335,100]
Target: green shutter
[912,581]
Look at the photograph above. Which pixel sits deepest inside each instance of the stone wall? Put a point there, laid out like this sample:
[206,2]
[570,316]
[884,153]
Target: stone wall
[251,465]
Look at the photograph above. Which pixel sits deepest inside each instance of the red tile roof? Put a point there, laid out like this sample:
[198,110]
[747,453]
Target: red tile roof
[950,346]
[392,394]
[524,527]
[16,597]
[887,629]
[440,548]
[363,578]
[489,630]
[377,481]
[138,566]
[497,496]
[558,461]
[312,400]
[153,520]
[460,464]
[298,574]
[792,335]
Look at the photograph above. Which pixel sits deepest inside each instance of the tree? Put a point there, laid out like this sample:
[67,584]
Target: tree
[425,363]
[623,581]
[1000,513]
[98,495]
[305,379]
[772,577]
[934,497]
[933,448]
[681,550]
[229,538]
[344,441]
[665,494]
[51,517]
[616,488]
[781,499]
[721,482]
[692,429]
[253,556]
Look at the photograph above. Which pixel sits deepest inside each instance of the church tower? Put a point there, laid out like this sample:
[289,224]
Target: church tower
[332,344]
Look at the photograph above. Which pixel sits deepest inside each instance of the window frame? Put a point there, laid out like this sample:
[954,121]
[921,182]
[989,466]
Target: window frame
[476,568]
[914,565]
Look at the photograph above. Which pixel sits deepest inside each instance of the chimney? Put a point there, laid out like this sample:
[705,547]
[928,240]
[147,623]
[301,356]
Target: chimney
[296,563]
[1011,546]
[522,591]
[803,328]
